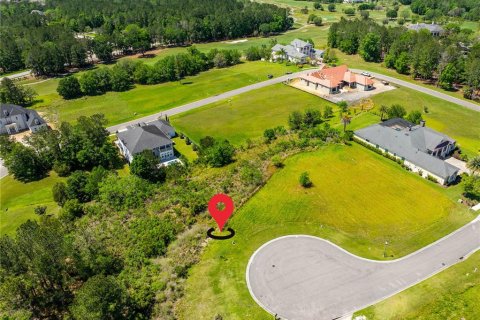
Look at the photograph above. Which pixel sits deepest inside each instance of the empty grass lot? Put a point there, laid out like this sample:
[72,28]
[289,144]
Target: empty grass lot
[452,294]
[144,100]
[358,200]
[246,115]
[17,201]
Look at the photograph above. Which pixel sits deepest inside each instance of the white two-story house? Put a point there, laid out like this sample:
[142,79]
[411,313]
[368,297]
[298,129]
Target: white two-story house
[298,51]
[14,119]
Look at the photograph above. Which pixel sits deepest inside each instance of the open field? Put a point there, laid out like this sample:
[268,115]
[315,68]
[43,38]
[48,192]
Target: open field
[18,199]
[460,123]
[143,100]
[246,115]
[456,296]
[354,202]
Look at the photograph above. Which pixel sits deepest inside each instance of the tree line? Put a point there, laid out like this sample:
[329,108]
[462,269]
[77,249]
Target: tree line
[452,59]
[48,38]
[125,73]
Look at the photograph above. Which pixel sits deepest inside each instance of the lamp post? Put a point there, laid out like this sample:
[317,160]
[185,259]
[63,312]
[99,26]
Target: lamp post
[385,249]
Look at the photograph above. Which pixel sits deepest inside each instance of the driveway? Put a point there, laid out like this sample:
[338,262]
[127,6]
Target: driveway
[18,75]
[3,170]
[466,104]
[303,277]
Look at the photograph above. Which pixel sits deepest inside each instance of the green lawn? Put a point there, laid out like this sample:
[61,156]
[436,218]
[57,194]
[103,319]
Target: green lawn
[451,119]
[147,99]
[452,294]
[18,199]
[184,149]
[246,115]
[358,200]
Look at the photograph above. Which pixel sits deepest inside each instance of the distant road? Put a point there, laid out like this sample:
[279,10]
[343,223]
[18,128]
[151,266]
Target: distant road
[17,75]
[466,104]
[228,94]
[203,102]
[308,278]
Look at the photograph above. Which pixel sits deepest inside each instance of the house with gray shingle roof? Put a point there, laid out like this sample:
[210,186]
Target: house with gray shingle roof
[14,119]
[422,149]
[434,29]
[297,51]
[155,136]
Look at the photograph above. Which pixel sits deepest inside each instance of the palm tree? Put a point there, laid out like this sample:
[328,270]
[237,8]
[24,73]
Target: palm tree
[282,53]
[346,121]
[474,164]
[383,110]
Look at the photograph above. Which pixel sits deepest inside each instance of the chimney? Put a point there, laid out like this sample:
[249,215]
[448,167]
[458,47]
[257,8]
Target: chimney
[422,123]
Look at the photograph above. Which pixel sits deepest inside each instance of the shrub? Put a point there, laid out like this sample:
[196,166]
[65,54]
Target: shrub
[277,161]
[40,210]
[188,141]
[69,88]
[62,169]
[305,180]
[331,7]
[269,135]
[431,178]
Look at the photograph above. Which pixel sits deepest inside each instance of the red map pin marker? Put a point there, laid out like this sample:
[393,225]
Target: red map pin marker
[220,216]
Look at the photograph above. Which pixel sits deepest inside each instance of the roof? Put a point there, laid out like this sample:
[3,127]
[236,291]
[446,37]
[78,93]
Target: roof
[297,43]
[411,143]
[430,27]
[163,125]
[32,116]
[11,110]
[289,50]
[333,77]
[142,137]
[34,119]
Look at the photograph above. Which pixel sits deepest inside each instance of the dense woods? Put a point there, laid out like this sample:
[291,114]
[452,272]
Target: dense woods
[48,38]
[450,60]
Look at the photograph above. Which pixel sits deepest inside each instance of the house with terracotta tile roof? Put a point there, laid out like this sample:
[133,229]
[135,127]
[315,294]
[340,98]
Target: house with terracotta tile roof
[331,80]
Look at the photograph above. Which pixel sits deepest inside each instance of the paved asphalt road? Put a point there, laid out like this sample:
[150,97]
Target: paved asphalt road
[203,102]
[308,278]
[466,104]
[17,75]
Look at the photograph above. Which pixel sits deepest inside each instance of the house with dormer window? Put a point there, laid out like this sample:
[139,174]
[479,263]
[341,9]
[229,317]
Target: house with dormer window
[14,119]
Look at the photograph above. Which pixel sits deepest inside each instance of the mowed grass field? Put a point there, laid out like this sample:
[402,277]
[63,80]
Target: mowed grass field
[247,115]
[451,119]
[18,199]
[143,100]
[358,200]
[452,294]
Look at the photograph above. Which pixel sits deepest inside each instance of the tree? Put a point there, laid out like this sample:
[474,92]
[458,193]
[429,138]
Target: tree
[59,192]
[295,120]
[24,164]
[220,154]
[120,80]
[471,186]
[415,117]
[219,60]
[318,21]
[69,88]
[329,56]
[269,135]
[474,164]
[345,121]
[304,180]
[137,38]
[317,6]
[370,47]
[383,110]
[396,111]
[331,7]
[311,118]
[392,13]
[100,297]
[402,63]
[146,165]
[71,210]
[11,93]
[448,76]
[328,112]
[40,210]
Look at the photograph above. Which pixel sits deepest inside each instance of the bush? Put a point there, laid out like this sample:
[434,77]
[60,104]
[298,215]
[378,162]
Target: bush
[71,210]
[62,169]
[331,7]
[349,11]
[305,180]
[277,161]
[40,210]
[269,135]
[431,178]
